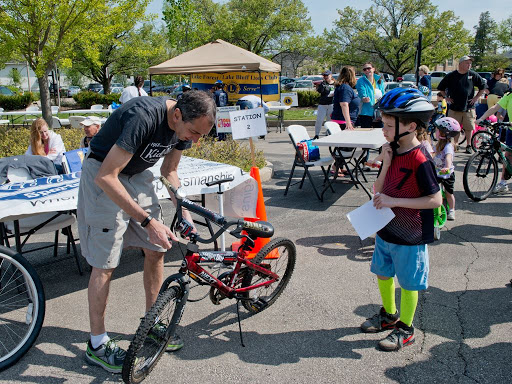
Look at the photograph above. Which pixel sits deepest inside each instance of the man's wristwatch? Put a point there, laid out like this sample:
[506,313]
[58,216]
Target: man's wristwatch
[146,221]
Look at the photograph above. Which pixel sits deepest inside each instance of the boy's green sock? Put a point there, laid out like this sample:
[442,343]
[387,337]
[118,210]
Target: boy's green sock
[408,303]
[387,292]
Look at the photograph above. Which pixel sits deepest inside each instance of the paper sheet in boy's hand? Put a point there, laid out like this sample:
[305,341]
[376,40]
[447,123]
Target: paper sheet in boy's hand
[367,219]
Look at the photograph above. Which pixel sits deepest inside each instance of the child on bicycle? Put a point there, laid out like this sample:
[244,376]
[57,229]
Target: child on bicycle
[407,184]
[447,130]
[505,103]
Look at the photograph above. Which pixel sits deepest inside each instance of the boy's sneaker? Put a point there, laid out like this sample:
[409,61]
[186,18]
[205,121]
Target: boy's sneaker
[500,188]
[451,215]
[379,322]
[108,356]
[158,331]
[402,336]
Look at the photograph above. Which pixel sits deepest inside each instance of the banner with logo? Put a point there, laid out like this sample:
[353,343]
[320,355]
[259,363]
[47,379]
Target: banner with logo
[239,84]
[60,193]
[290,99]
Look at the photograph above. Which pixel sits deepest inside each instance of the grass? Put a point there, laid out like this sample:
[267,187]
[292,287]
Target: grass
[296,113]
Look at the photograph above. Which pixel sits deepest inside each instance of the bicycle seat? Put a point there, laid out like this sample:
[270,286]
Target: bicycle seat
[258,228]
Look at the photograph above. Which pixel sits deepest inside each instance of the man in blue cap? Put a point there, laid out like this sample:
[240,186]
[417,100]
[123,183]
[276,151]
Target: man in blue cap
[220,95]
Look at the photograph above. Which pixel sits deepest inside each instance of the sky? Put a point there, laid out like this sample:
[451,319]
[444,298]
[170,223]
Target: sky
[324,12]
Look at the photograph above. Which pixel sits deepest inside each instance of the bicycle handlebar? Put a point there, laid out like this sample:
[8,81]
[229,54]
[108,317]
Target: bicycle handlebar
[487,123]
[258,229]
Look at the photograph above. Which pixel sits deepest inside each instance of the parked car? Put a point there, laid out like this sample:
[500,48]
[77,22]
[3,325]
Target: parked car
[303,85]
[164,88]
[287,80]
[486,75]
[112,90]
[177,91]
[316,79]
[6,91]
[387,77]
[153,85]
[395,84]
[73,90]
[436,77]
[94,87]
[409,77]
[112,85]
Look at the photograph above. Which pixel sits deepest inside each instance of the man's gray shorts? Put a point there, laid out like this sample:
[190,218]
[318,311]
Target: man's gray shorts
[104,228]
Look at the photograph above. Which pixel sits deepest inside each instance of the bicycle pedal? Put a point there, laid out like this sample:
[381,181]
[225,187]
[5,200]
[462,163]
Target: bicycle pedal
[259,304]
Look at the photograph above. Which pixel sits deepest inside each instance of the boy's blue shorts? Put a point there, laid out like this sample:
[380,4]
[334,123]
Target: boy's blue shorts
[408,262]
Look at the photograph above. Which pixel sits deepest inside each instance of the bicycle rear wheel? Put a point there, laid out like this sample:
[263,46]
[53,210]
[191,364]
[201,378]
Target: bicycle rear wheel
[22,307]
[149,342]
[481,141]
[480,175]
[281,255]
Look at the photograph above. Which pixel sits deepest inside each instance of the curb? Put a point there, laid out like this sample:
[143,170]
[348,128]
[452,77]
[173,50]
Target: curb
[267,172]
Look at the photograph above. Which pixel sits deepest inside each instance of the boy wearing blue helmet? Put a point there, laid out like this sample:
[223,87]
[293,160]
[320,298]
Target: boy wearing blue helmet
[407,184]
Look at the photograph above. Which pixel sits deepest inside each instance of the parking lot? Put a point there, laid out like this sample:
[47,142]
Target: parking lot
[311,334]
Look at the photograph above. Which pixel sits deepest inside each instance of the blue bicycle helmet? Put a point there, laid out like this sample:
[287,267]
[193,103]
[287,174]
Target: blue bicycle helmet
[405,102]
[424,89]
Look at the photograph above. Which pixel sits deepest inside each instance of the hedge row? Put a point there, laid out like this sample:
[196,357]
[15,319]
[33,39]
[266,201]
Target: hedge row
[308,98]
[15,142]
[14,103]
[87,98]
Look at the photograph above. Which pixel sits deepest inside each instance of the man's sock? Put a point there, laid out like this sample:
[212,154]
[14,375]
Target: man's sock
[97,340]
[387,293]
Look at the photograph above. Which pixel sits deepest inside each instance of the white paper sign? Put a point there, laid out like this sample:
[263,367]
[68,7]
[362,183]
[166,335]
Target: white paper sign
[223,123]
[290,99]
[248,123]
[367,219]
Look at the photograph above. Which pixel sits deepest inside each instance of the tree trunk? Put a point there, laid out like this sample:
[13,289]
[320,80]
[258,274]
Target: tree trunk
[44,92]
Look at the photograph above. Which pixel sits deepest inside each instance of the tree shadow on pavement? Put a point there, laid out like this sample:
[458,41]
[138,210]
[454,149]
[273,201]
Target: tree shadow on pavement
[476,233]
[349,246]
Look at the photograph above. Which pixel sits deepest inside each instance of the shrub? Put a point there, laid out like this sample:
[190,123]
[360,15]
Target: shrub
[15,141]
[232,152]
[308,98]
[13,103]
[87,98]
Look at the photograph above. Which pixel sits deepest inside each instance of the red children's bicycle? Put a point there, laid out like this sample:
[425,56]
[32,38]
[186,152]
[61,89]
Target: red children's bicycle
[256,282]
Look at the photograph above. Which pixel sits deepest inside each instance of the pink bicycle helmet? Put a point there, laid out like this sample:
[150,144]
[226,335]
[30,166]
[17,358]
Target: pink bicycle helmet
[448,127]
[493,119]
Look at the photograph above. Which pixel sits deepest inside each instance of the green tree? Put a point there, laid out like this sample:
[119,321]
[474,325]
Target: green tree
[45,32]
[125,50]
[189,23]
[504,33]
[485,39]
[387,33]
[15,76]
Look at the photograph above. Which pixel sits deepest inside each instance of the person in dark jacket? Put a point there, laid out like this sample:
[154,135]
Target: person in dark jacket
[326,90]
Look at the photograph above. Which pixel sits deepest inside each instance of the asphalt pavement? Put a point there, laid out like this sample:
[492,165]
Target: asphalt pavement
[311,334]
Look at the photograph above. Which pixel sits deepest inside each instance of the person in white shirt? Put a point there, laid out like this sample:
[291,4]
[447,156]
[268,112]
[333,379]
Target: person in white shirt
[44,142]
[133,90]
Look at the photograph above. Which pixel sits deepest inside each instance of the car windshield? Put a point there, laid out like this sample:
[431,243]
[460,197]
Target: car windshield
[409,77]
[303,84]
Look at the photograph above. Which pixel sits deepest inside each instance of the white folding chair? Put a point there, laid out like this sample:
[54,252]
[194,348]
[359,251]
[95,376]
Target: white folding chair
[74,121]
[55,109]
[298,133]
[58,122]
[32,108]
[3,122]
[38,224]
[96,107]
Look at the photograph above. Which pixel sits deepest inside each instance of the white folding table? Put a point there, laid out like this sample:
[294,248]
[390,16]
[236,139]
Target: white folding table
[280,114]
[363,138]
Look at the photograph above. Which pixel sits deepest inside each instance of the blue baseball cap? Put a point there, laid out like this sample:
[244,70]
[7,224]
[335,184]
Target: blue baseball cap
[219,82]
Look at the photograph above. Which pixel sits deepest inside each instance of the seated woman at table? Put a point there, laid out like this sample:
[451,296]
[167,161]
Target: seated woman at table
[91,126]
[346,101]
[44,142]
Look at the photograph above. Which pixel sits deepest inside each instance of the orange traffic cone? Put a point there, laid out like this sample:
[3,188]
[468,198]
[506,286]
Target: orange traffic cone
[261,214]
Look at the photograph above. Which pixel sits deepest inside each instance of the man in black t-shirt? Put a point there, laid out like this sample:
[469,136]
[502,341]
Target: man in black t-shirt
[324,111]
[117,204]
[459,89]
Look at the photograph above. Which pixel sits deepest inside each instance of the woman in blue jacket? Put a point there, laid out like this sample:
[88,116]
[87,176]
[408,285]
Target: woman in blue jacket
[370,89]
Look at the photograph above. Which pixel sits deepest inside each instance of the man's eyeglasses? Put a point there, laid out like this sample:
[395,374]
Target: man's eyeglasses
[367,68]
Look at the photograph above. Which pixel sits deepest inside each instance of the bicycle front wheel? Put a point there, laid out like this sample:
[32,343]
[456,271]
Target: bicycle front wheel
[480,175]
[153,334]
[279,256]
[22,307]
[481,141]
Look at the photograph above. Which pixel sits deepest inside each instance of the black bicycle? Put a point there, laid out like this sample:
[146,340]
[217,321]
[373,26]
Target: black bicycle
[255,282]
[22,307]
